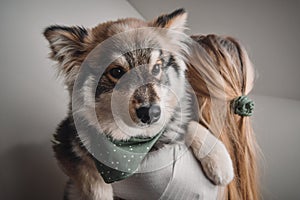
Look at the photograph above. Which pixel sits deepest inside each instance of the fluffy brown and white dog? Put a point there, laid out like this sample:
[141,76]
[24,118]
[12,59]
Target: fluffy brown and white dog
[161,100]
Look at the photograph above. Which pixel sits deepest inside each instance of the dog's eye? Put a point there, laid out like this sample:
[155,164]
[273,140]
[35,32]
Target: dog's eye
[117,72]
[156,69]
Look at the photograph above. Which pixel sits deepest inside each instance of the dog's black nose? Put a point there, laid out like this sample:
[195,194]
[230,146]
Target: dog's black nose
[148,114]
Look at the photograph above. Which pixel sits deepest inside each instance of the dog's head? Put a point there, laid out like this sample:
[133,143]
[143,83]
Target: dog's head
[142,81]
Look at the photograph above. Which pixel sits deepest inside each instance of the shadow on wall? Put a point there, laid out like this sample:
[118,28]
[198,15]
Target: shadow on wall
[30,172]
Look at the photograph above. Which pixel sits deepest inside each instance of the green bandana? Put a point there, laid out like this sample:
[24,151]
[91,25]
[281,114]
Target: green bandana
[117,160]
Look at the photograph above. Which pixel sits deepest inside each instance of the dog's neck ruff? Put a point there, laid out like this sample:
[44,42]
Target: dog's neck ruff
[119,159]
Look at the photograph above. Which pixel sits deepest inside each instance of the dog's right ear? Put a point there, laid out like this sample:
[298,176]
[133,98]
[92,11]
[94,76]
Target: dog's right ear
[67,46]
[175,20]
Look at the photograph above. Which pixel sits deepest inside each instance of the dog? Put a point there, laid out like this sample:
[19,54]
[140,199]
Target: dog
[142,91]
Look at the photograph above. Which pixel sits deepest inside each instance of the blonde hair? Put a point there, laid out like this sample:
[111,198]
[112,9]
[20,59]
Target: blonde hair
[219,72]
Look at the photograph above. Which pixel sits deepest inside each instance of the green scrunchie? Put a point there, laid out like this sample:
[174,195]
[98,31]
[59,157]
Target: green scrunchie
[243,106]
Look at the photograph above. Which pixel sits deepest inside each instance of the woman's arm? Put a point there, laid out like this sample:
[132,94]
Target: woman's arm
[169,173]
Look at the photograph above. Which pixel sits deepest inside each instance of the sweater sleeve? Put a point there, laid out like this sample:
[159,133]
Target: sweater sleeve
[169,173]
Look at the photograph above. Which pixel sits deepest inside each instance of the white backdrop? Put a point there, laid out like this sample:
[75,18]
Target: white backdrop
[277,126]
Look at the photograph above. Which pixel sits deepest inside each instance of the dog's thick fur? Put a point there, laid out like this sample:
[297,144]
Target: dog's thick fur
[70,46]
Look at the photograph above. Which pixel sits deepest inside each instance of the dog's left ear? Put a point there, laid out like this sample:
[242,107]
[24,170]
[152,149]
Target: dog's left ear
[175,20]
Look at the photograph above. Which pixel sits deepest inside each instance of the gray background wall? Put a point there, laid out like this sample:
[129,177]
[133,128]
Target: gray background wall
[33,100]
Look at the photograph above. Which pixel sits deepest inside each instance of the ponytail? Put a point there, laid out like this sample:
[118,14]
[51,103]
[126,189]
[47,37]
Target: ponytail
[232,65]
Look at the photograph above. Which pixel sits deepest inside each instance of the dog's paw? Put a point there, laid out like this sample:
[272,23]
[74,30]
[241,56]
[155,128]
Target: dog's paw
[217,165]
[211,153]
